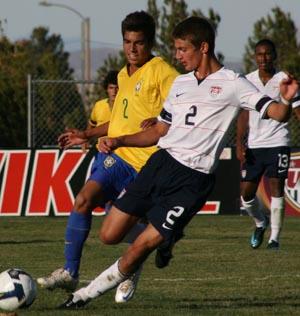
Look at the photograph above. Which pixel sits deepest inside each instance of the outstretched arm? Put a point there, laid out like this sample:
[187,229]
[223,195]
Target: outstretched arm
[281,112]
[145,138]
[73,137]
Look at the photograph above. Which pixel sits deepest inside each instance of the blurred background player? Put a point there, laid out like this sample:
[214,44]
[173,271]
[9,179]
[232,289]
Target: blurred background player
[191,132]
[143,86]
[101,110]
[267,151]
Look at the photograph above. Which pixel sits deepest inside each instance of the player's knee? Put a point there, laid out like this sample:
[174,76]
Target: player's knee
[247,194]
[108,237]
[82,203]
[247,197]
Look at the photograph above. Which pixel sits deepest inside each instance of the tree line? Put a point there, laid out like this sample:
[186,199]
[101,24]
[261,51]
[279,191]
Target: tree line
[44,57]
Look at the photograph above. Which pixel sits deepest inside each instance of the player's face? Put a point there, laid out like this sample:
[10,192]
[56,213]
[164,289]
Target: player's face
[112,90]
[136,48]
[187,54]
[264,57]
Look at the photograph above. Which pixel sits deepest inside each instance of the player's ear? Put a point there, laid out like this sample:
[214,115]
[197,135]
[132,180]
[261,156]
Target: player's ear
[204,47]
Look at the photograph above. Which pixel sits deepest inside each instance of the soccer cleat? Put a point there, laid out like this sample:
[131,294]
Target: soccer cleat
[164,251]
[73,303]
[59,278]
[258,235]
[273,245]
[127,288]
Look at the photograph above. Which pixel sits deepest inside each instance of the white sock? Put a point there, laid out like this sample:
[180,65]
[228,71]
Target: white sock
[107,280]
[253,210]
[277,215]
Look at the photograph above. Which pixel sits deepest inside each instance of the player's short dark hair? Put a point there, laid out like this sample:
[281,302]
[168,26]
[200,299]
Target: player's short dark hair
[110,78]
[269,43]
[197,30]
[140,21]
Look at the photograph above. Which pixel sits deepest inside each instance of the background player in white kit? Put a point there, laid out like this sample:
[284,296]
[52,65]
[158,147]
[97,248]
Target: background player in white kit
[268,149]
[191,132]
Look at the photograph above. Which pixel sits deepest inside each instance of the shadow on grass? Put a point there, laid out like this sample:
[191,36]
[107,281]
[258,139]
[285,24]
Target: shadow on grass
[239,302]
[36,241]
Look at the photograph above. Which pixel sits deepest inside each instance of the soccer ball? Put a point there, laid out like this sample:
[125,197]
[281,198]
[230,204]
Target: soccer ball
[17,289]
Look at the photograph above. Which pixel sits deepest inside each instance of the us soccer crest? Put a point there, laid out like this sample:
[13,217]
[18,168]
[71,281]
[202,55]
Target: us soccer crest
[215,91]
[292,186]
[109,162]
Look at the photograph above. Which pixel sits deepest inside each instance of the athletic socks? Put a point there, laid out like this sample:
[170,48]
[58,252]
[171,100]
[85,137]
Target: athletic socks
[253,210]
[77,231]
[277,215]
[107,280]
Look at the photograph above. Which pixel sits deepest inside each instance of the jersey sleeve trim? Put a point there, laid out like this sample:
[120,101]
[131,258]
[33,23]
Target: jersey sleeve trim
[261,103]
[165,116]
[296,102]
[92,123]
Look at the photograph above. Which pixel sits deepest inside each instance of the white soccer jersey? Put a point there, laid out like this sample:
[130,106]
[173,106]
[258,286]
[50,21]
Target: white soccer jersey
[200,114]
[268,133]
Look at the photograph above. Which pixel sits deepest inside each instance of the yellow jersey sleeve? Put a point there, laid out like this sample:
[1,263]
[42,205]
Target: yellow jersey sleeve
[100,114]
[140,96]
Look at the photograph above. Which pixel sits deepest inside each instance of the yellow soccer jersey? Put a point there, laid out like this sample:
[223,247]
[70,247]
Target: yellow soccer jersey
[140,96]
[101,113]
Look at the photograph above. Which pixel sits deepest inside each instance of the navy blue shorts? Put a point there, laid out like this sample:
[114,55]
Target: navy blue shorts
[113,173]
[167,193]
[271,162]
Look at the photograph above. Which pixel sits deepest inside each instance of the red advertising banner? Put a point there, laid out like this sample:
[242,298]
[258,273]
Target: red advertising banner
[45,182]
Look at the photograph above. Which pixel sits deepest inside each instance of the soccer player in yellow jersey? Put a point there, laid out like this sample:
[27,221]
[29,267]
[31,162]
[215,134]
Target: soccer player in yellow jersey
[143,86]
[101,111]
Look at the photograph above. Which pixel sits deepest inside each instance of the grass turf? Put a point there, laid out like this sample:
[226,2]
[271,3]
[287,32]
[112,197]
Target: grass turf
[214,271]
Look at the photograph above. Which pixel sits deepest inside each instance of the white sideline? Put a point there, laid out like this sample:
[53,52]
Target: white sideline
[212,279]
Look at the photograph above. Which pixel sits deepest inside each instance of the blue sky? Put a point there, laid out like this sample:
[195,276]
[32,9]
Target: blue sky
[19,17]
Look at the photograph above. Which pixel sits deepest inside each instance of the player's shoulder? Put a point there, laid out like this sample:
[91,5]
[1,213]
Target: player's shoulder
[102,102]
[184,79]
[280,75]
[253,75]
[159,65]
[158,61]
[227,75]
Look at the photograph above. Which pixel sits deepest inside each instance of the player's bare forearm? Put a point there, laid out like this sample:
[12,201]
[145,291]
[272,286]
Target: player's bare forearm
[281,112]
[148,122]
[98,131]
[242,126]
[146,138]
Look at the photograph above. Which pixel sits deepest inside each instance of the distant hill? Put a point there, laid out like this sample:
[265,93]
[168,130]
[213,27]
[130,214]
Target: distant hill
[98,55]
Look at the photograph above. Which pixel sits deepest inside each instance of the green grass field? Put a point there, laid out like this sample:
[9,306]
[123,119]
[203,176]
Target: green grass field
[214,271]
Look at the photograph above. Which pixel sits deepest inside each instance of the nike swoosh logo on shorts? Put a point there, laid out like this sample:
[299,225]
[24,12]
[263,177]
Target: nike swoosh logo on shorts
[280,171]
[166,227]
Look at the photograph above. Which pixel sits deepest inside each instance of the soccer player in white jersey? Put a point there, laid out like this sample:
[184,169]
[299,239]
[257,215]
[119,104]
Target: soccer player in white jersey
[191,131]
[267,150]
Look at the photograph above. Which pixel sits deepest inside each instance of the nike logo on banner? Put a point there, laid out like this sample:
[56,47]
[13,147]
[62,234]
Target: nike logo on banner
[179,94]
[166,227]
